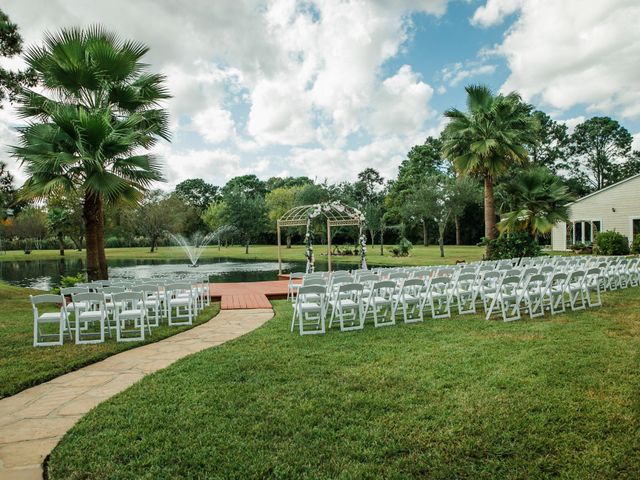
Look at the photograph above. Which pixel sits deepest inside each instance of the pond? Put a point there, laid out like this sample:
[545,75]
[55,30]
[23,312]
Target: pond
[45,274]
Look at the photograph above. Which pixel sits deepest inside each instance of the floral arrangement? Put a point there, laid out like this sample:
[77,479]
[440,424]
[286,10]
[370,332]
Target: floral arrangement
[363,251]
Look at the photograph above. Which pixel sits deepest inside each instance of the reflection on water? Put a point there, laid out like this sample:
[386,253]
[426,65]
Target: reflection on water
[45,274]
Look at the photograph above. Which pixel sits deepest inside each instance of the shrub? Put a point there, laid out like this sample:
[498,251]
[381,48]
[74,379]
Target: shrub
[611,243]
[635,246]
[70,281]
[511,245]
[114,242]
[402,249]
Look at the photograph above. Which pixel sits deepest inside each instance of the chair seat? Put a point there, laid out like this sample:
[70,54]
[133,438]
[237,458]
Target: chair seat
[180,302]
[90,315]
[50,317]
[74,305]
[136,312]
[309,307]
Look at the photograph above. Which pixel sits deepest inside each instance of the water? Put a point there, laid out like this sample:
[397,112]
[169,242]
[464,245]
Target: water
[195,246]
[45,274]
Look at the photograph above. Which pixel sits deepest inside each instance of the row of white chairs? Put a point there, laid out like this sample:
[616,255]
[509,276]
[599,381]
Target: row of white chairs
[130,308]
[352,298]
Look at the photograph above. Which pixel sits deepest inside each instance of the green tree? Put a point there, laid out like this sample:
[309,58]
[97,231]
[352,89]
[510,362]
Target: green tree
[600,148]
[245,184]
[279,201]
[536,199]
[30,225]
[286,182]
[11,45]
[248,213]
[486,140]
[90,129]
[158,214]
[311,194]
[552,147]
[67,220]
[368,187]
[197,193]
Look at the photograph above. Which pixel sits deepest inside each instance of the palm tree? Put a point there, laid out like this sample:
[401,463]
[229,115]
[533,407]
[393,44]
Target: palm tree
[90,130]
[488,139]
[537,200]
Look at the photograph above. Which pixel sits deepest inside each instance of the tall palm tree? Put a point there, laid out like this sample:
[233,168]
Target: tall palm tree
[487,139]
[537,199]
[90,130]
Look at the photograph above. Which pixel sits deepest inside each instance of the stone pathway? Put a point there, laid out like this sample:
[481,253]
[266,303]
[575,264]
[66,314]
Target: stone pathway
[34,420]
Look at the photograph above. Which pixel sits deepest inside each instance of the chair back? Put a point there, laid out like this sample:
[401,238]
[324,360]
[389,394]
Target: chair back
[89,299]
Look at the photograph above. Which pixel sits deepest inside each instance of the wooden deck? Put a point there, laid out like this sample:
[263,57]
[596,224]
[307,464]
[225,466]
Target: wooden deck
[248,295]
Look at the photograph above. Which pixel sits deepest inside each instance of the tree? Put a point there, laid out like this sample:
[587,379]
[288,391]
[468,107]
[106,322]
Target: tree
[29,225]
[375,220]
[245,184]
[197,193]
[368,187]
[7,191]
[286,182]
[493,135]
[279,201]
[158,214]
[67,220]
[600,147]
[311,194]
[553,141]
[11,45]
[441,198]
[90,129]
[248,213]
[536,199]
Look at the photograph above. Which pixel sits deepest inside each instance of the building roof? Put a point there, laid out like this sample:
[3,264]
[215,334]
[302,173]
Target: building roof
[606,188]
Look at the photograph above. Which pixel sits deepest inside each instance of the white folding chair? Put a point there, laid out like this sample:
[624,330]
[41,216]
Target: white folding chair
[179,297]
[295,280]
[555,292]
[574,287]
[507,298]
[309,310]
[409,299]
[347,305]
[464,292]
[380,302]
[533,294]
[129,307]
[39,319]
[151,302]
[592,284]
[90,308]
[437,296]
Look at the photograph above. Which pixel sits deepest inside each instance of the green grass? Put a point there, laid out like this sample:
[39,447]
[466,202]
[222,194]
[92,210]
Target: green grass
[419,255]
[22,365]
[458,398]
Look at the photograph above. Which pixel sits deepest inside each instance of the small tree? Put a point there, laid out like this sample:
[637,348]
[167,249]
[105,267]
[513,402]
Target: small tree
[248,213]
[157,214]
[30,225]
[278,202]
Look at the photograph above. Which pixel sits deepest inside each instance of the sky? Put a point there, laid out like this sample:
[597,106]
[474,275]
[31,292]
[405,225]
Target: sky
[328,88]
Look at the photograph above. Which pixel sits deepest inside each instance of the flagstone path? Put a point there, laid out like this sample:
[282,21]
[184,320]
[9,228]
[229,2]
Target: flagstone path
[33,421]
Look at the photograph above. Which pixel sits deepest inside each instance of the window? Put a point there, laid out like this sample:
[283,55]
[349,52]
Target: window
[584,231]
[635,226]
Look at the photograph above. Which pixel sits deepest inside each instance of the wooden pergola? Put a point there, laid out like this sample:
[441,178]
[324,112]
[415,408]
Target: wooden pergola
[337,215]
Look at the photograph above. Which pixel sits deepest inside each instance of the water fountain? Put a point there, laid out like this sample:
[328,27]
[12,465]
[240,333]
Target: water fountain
[194,247]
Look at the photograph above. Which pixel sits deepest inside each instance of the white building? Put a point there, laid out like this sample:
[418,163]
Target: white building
[616,207]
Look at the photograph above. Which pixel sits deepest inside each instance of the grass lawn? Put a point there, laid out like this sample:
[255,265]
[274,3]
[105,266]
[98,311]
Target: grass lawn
[419,255]
[22,365]
[457,398]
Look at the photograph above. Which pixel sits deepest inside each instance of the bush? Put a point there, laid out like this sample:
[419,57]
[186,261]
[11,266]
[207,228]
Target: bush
[511,245]
[635,245]
[70,281]
[402,249]
[611,243]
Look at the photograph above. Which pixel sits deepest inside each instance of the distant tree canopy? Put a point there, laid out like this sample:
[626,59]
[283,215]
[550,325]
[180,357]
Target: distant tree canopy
[10,46]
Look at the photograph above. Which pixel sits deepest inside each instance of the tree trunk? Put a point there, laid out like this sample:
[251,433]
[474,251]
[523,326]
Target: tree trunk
[425,241]
[288,241]
[373,237]
[382,242]
[153,244]
[91,216]
[441,240]
[489,208]
[102,257]
[458,232]
[246,248]
[219,244]
[61,243]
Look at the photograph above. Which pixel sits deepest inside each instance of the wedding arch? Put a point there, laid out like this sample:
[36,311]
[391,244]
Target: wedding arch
[336,214]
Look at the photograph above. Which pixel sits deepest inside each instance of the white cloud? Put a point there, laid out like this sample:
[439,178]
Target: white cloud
[494,12]
[572,123]
[456,73]
[214,124]
[262,74]
[571,52]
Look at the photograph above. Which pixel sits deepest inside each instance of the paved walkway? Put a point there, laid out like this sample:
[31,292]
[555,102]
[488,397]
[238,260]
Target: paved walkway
[248,295]
[33,421]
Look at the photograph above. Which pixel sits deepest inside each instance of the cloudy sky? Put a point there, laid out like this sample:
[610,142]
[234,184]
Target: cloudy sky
[327,88]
